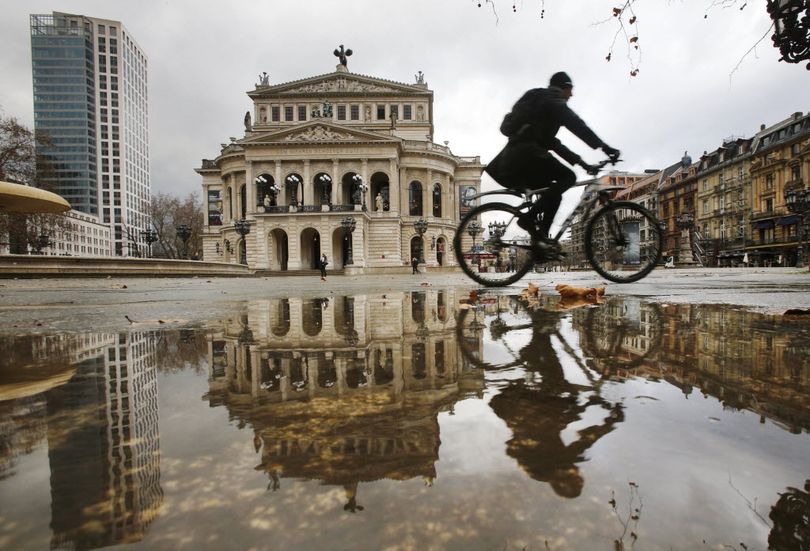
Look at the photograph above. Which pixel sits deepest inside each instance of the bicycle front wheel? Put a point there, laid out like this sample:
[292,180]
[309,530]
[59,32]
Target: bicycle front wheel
[490,247]
[623,242]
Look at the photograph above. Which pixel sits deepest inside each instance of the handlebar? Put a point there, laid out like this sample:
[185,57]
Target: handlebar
[593,170]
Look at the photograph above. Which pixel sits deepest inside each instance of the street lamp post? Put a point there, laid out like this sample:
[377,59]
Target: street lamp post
[348,224]
[242,227]
[473,230]
[686,221]
[421,227]
[791,22]
[798,202]
[362,187]
[496,230]
[184,232]
[150,236]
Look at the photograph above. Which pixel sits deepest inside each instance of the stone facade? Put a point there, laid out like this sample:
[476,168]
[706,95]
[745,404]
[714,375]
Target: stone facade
[328,153]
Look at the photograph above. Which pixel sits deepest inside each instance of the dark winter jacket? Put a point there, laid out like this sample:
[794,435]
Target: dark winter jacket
[545,111]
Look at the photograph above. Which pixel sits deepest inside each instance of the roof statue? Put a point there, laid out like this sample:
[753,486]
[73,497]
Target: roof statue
[686,160]
[264,79]
[342,54]
[420,77]
[248,124]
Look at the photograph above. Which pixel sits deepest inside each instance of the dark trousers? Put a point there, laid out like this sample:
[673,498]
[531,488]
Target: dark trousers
[323,270]
[526,165]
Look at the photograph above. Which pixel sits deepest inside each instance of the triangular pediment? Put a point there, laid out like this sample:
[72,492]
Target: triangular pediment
[317,132]
[338,83]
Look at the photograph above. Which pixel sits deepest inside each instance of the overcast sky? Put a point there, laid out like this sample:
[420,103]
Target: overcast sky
[204,55]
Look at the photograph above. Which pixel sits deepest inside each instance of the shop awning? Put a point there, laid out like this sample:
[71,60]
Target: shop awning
[788,220]
[762,224]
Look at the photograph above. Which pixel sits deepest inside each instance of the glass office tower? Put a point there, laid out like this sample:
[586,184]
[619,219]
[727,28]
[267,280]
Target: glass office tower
[90,97]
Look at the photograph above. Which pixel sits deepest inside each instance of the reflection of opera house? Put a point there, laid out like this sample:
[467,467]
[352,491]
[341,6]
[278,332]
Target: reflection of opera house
[342,164]
[343,391]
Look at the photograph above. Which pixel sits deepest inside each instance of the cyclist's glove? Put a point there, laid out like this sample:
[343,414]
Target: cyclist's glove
[593,170]
[612,153]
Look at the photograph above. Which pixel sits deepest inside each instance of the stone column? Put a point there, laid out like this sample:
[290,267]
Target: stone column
[364,174]
[282,195]
[402,192]
[393,185]
[237,199]
[250,194]
[427,195]
[335,182]
[309,189]
[359,245]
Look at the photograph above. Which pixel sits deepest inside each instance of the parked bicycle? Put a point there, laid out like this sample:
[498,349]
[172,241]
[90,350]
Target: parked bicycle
[622,240]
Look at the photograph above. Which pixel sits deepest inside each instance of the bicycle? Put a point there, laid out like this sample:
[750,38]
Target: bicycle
[622,239]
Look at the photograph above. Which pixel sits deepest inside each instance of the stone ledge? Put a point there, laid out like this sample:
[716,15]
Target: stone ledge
[66,266]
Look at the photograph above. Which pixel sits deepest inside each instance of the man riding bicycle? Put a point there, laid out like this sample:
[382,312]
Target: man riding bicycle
[526,161]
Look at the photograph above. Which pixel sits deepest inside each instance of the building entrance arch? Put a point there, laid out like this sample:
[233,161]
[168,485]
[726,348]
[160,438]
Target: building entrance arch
[278,250]
[242,251]
[441,246]
[380,186]
[322,184]
[310,249]
[416,248]
[341,245]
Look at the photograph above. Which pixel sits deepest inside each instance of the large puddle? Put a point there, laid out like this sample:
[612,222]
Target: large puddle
[425,420]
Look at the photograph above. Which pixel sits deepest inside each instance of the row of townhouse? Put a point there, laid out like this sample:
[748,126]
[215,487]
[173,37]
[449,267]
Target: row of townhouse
[731,206]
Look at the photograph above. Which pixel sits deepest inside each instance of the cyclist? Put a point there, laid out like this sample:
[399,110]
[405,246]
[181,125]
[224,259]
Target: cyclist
[532,126]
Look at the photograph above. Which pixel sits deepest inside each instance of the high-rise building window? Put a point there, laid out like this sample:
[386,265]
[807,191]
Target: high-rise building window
[355,112]
[302,112]
[341,112]
[288,113]
[275,113]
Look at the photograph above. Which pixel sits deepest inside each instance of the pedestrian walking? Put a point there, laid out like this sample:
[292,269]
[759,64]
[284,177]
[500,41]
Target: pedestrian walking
[414,265]
[324,262]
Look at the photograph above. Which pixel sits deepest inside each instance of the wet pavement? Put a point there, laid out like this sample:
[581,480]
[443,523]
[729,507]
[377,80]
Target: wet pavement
[402,418]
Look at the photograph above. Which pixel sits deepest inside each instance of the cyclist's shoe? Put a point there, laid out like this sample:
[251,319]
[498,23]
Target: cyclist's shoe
[546,244]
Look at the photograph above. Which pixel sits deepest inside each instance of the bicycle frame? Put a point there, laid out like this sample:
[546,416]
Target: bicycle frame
[593,194]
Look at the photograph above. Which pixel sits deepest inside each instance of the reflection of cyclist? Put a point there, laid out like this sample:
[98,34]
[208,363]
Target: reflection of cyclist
[538,412]
[791,520]
[532,128]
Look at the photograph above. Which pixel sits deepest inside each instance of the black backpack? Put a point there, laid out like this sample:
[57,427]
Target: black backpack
[519,118]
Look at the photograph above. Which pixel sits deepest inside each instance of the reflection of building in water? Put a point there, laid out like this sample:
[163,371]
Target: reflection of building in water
[103,446]
[620,332]
[343,390]
[747,360]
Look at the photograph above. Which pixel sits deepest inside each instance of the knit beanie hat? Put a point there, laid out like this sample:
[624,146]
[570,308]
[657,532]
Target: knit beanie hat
[561,80]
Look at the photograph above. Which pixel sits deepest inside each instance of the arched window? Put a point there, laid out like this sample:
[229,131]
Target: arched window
[312,317]
[243,200]
[280,317]
[418,360]
[415,198]
[323,188]
[418,300]
[270,374]
[294,184]
[380,187]
[265,190]
[383,367]
[437,200]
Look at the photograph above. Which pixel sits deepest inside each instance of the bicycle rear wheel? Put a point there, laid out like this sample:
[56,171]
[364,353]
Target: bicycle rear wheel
[623,242]
[490,247]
